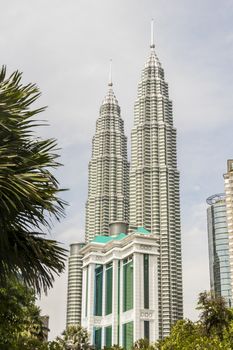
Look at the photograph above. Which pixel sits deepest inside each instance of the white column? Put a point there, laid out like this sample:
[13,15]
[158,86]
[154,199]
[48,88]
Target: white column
[115,314]
[90,299]
[138,282]
[84,285]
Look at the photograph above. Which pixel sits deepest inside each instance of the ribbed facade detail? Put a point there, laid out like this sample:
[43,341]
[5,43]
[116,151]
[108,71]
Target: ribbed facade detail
[228,184]
[74,293]
[108,182]
[154,185]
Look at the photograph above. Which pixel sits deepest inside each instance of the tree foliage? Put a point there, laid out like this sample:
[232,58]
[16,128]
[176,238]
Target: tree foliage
[113,347]
[28,189]
[187,335]
[214,330]
[144,344]
[21,324]
[75,337]
[215,316]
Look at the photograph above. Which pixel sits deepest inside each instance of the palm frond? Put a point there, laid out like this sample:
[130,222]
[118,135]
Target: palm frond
[29,192]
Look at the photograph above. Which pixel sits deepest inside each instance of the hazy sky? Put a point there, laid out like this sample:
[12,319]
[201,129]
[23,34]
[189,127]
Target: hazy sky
[65,47]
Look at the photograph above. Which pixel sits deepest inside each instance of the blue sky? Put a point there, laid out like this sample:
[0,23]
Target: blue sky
[65,47]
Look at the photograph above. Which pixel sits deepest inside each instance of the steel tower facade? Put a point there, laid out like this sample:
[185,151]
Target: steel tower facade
[228,184]
[154,184]
[218,242]
[108,181]
[74,292]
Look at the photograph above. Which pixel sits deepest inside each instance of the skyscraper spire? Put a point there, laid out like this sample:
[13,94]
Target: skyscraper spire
[152,44]
[152,60]
[110,74]
[108,181]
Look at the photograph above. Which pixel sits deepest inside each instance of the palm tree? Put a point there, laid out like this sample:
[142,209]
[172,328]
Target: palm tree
[75,337]
[113,347]
[215,315]
[143,344]
[28,190]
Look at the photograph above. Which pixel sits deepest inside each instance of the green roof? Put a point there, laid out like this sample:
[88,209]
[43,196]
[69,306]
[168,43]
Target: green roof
[101,239]
[120,236]
[106,239]
[142,230]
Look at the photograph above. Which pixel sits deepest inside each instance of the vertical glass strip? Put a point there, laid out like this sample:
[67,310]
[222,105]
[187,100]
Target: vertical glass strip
[98,290]
[118,306]
[128,335]
[128,284]
[108,289]
[98,338]
[87,274]
[147,330]
[146,281]
[108,336]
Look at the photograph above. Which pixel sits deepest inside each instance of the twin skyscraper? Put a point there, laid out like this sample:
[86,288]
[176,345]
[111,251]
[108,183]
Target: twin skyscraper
[132,222]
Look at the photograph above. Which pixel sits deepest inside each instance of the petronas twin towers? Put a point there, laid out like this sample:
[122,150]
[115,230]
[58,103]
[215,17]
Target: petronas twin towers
[154,184]
[144,193]
[108,186]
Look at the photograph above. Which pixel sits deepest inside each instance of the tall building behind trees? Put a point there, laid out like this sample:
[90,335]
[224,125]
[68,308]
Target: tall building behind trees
[228,181]
[108,177]
[218,242]
[120,288]
[154,184]
[148,200]
[108,192]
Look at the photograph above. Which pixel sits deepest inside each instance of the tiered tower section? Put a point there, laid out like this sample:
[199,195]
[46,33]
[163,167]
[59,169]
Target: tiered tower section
[74,293]
[108,186]
[154,184]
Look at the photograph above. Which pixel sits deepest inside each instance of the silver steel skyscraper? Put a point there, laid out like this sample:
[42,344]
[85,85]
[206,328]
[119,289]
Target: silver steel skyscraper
[108,192]
[218,241]
[108,182]
[154,184]
[228,184]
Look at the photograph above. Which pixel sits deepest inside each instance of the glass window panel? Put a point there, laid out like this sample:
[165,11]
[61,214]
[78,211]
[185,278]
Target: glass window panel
[86,291]
[146,281]
[97,338]
[128,335]
[128,284]
[108,336]
[108,289]
[98,290]
[147,330]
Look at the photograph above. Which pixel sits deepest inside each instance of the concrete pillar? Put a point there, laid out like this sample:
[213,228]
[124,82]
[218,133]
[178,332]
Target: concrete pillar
[90,298]
[84,301]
